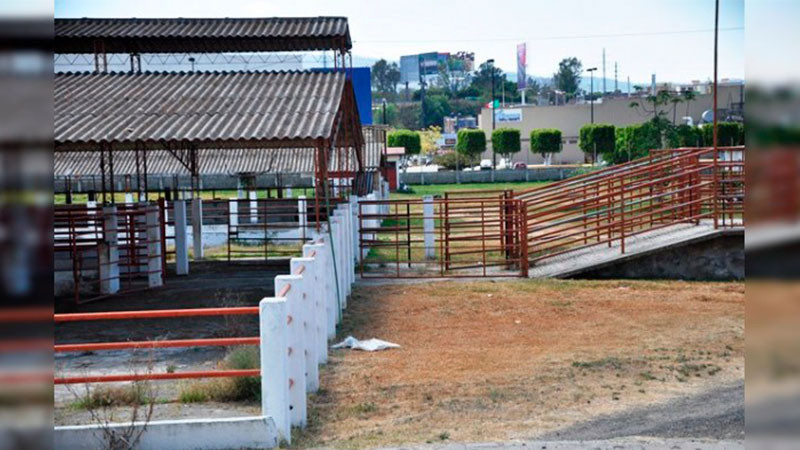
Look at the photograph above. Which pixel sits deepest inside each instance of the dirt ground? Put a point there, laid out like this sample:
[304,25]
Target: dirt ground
[489,361]
[480,361]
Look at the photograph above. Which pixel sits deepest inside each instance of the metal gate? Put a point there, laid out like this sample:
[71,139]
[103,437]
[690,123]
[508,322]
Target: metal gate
[461,235]
[81,236]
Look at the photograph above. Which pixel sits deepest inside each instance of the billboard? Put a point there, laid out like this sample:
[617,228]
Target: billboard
[522,63]
[508,115]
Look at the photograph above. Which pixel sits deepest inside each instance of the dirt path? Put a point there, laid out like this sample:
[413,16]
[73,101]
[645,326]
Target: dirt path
[715,414]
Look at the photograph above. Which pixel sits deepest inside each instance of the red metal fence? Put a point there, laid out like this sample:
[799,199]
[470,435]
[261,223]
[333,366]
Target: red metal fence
[457,236]
[608,206]
[80,235]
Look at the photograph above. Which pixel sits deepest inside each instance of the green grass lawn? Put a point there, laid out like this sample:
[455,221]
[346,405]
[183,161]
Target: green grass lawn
[419,190]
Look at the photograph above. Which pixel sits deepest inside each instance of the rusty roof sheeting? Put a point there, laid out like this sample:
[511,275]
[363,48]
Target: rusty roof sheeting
[168,35]
[206,108]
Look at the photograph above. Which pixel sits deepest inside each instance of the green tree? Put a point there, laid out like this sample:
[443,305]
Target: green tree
[482,81]
[597,139]
[407,139]
[728,134]
[546,142]
[506,141]
[568,77]
[436,108]
[470,142]
[636,141]
[385,76]
[684,136]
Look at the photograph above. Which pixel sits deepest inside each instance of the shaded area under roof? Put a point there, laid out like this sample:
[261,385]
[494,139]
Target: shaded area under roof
[184,35]
[203,109]
[215,161]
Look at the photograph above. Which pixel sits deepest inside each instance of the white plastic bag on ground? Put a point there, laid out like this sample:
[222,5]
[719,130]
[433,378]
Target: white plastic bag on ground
[369,345]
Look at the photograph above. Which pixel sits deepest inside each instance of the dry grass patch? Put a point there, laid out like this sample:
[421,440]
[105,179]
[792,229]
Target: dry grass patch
[488,361]
[235,389]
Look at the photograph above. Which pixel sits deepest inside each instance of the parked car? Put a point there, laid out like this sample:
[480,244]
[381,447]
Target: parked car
[486,164]
[520,166]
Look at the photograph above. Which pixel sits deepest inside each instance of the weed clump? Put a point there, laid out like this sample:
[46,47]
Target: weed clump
[234,389]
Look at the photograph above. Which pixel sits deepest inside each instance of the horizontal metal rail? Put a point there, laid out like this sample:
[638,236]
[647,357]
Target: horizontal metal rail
[156,314]
[157,376]
[176,343]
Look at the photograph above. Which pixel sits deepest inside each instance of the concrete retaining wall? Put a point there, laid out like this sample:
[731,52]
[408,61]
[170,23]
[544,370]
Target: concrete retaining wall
[719,257]
[553,173]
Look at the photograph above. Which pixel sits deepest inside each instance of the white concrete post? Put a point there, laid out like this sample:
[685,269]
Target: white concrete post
[253,206]
[302,215]
[320,294]
[428,226]
[129,198]
[154,273]
[181,238]
[308,320]
[330,291]
[91,209]
[296,356]
[233,212]
[348,211]
[275,401]
[340,247]
[108,269]
[356,231]
[197,227]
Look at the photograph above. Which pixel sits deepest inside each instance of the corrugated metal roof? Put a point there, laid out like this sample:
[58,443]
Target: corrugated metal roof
[202,34]
[210,109]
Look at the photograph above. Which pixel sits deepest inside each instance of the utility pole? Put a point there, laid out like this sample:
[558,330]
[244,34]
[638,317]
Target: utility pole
[421,94]
[490,63]
[615,77]
[383,103]
[604,70]
[629,85]
[591,89]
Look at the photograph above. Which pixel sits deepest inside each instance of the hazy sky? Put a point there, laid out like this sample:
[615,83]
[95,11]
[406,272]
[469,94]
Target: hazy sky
[671,38]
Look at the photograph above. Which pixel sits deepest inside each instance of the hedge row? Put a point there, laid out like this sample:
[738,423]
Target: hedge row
[407,139]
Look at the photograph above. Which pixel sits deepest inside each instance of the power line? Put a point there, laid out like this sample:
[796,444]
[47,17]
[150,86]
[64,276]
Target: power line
[548,38]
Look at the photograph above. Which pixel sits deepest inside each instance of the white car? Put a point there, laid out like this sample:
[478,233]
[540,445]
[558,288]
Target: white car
[486,164]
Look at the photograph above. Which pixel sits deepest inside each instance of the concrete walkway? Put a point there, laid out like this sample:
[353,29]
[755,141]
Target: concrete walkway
[574,262]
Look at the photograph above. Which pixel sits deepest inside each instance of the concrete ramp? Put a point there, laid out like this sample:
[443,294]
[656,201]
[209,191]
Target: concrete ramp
[680,251]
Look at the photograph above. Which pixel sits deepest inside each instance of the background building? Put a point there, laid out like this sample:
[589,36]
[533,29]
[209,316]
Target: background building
[616,111]
[425,66]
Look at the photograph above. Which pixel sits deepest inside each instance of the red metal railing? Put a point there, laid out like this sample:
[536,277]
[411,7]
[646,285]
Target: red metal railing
[172,343]
[155,314]
[608,206]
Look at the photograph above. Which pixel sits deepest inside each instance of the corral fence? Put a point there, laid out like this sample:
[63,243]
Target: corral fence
[99,250]
[668,187]
[462,234]
[294,328]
